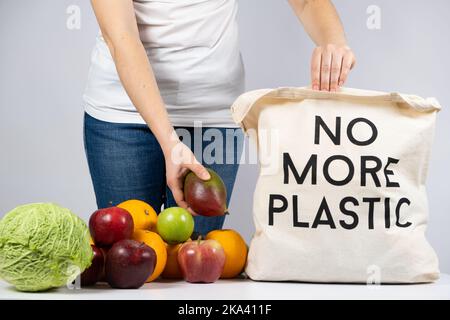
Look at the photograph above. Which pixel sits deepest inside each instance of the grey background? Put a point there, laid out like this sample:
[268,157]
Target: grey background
[43,67]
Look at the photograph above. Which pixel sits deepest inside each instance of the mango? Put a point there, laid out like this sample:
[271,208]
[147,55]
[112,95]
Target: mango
[206,197]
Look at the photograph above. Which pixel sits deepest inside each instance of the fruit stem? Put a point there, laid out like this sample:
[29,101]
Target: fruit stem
[199,239]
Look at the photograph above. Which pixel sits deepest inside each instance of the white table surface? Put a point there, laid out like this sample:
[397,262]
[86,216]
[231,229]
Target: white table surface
[241,289]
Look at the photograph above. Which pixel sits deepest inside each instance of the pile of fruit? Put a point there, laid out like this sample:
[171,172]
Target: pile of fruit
[132,244]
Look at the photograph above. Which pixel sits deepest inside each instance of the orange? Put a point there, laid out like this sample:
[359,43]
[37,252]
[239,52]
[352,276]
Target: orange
[153,240]
[235,251]
[172,269]
[144,216]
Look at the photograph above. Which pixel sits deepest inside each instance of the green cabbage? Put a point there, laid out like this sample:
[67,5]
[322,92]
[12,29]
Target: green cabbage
[42,246]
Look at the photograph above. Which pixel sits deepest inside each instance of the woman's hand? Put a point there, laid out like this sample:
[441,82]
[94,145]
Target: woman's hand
[179,161]
[332,60]
[330,66]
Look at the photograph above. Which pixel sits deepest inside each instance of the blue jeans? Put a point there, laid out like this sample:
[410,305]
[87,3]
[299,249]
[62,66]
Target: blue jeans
[126,162]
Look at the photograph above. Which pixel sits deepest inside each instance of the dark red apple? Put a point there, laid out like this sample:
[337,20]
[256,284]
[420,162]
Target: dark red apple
[105,252]
[129,264]
[201,260]
[95,272]
[109,225]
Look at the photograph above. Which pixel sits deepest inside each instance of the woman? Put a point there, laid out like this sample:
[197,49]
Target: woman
[166,65]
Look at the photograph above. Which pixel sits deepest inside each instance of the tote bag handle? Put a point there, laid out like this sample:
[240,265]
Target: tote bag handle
[246,108]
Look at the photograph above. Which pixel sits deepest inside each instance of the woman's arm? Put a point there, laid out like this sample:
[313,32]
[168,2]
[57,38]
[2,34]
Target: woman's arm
[119,29]
[332,59]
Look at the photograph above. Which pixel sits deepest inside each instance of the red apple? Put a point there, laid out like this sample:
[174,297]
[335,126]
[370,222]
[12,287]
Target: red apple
[129,264]
[109,225]
[201,260]
[95,272]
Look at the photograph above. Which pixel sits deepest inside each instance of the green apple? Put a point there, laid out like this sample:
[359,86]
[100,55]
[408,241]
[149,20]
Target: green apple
[175,225]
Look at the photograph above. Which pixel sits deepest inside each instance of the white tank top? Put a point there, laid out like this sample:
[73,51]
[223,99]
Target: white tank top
[193,48]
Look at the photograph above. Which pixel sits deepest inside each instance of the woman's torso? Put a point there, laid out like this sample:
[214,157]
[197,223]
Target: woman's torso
[192,46]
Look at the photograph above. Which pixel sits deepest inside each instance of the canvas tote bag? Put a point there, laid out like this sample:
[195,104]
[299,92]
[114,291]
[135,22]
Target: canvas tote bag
[340,195]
